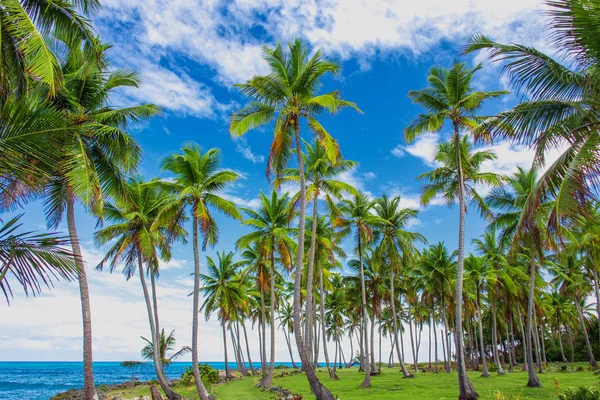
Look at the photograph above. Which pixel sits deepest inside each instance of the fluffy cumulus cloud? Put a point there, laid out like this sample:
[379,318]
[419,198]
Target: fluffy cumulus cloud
[226,37]
[424,147]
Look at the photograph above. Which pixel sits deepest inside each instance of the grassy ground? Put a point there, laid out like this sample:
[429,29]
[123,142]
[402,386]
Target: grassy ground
[390,385]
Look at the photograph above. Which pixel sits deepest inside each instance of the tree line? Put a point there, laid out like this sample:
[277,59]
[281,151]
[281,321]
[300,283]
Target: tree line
[522,296]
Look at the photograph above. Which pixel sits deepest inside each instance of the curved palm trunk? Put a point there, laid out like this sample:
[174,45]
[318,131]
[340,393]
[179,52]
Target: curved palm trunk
[536,344]
[412,341]
[435,351]
[202,392]
[84,294]
[248,349]
[560,343]
[156,320]
[170,393]
[495,340]
[373,365]
[269,378]
[533,378]
[445,339]
[309,313]
[367,381]
[585,333]
[228,374]
[332,373]
[316,387]
[405,373]
[289,345]
[349,364]
[485,373]
[263,347]
[464,384]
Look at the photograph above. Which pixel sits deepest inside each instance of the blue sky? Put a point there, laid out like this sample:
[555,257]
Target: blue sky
[189,55]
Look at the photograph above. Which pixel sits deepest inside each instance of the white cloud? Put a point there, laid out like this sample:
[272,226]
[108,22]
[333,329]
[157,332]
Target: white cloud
[424,147]
[242,147]
[253,203]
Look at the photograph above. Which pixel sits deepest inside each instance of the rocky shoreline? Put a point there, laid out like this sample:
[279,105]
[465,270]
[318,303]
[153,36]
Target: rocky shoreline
[101,390]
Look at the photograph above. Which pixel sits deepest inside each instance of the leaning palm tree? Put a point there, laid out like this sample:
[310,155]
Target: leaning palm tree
[32,259]
[144,224]
[270,224]
[561,111]
[395,241]
[456,178]
[93,157]
[355,215]
[223,293]
[321,181]
[289,93]
[198,182]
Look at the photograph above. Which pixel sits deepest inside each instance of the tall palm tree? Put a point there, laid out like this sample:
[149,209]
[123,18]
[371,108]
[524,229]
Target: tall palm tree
[93,159]
[144,224]
[355,215]
[198,182]
[223,293]
[561,110]
[289,93]
[26,26]
[32,259]
[286,323]
[270,224]
[320,174]
[456,178]
[509,203]
[395,241]
[450,98]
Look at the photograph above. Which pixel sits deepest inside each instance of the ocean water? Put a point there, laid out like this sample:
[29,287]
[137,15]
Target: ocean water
[24,380]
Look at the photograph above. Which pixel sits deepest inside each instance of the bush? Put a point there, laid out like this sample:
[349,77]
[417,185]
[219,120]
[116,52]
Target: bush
[208,374]
[580,393]
[498,395]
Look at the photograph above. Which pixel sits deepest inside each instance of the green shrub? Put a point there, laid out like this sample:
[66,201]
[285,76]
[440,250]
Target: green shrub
[580,393]
[498,395]
[208,374]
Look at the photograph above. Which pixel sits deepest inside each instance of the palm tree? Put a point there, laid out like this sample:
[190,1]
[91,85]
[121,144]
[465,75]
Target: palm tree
[32,259]
[198,182]
[561,107]
[223,293]
[166,347]
[93,158]
[320,174]
[451,98]
[289,94]
[271,230]
[509,204]
[145,222]
[356,215]
[25,28]
[456,177]
[395,241]
[286,323]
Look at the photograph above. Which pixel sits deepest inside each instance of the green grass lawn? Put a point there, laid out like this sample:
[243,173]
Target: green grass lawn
[390,385]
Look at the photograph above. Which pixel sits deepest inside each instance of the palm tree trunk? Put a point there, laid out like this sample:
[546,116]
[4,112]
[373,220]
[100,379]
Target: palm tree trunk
[156,320]
[367,381]
[248,349]
[373,365]
[429,344]
[495,339]
[332,373]
[585,333]
[448,355]
[235,339]
[570,337]
[543,343]
[405,373]
[513,341]
[170,393]
[289,345]
[533,378]
[84,295]
[202,392]
[597,293]
[228,374]
[536,344]
[309,313]
[349,364]
[316,387]
[523,341]
[412,341]
[444,350]
[509,349]
[435,341]
[263,348]
[379,368]
[485,372]
[269,378]
[361,354]
[464,384]
[476,350]
[560,343]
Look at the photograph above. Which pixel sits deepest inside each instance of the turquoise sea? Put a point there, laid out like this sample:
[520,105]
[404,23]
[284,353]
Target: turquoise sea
[26,380]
